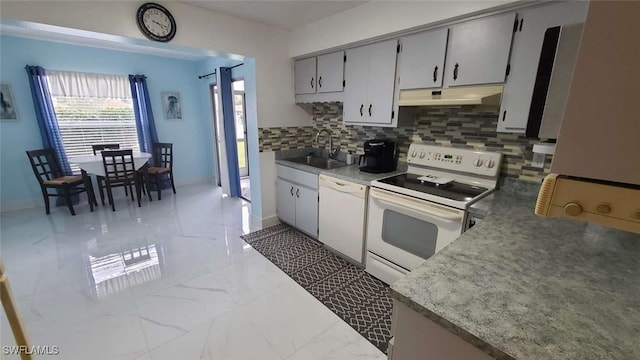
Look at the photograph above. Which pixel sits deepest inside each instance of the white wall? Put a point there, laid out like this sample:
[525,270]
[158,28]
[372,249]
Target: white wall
[378,18]
[196,28]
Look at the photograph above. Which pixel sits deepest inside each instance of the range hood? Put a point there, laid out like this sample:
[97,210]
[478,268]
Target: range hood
[476,95]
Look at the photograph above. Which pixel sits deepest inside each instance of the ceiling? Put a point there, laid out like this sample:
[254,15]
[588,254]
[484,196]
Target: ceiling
[283,14]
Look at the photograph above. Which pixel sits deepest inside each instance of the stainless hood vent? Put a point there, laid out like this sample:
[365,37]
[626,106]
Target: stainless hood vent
[477,95]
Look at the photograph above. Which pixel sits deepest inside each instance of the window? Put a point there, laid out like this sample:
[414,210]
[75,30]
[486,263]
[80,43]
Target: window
[98,111]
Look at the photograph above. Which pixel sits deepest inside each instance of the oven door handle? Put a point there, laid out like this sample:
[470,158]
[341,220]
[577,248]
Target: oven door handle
[416,206]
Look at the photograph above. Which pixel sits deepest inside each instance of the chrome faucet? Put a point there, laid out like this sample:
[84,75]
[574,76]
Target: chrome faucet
[332,152]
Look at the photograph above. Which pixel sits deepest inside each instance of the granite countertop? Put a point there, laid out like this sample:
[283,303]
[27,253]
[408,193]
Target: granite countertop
[348,173]
[518,286]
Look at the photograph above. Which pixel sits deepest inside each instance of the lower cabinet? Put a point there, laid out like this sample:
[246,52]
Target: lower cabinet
[297,199]
[417,338]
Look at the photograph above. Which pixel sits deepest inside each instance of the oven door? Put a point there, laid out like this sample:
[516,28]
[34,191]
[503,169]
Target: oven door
[406,231]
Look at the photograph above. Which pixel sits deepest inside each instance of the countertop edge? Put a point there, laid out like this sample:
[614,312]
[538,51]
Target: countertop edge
[452,328]
[347,173]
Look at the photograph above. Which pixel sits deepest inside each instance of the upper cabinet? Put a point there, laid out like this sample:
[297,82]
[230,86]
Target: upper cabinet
[525,55]
[478,51]
[330,72]
[305,76]
[422,59]
[370,73]
[319,79]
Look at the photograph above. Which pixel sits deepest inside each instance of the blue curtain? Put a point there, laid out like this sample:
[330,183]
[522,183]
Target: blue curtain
[231,143]
[147,134]
[46,115]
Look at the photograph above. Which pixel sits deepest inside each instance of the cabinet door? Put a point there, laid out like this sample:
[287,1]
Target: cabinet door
[356,75]
[525,55]
[479,51]
[286,201]
[382,77]
[330,72]
[422,59]
[305,76]
[307,210]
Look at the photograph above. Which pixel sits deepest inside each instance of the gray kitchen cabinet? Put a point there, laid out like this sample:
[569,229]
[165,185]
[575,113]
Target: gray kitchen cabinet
[415,337]
[297,199]
[422,59]
[478,51]
[330,72]
[285,201]
[370,73]
[305,76]
[525,55]
[307,210]
[356,73]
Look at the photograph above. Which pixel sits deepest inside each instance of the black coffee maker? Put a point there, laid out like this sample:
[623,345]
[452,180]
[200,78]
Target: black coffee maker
[380,156]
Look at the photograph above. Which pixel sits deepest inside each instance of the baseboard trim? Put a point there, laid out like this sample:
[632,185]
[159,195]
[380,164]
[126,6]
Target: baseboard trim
[22,205]
[270,221]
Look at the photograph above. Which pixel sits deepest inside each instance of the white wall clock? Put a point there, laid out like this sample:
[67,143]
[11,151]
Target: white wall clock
[156,22]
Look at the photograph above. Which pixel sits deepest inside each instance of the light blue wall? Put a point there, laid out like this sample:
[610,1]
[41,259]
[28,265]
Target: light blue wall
[192,139]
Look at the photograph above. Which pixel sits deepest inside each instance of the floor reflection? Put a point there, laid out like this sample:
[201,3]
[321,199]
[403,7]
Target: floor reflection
[115,272]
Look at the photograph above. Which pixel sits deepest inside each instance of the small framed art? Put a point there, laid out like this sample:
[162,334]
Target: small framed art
[172,105]
[8,111]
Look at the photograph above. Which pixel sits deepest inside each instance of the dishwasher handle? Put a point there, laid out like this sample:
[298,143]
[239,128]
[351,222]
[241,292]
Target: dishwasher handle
[343,186]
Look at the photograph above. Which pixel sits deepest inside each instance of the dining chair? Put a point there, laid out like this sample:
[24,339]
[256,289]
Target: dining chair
[99,147]
[47,171]
[13,317]
[163,165]
[120,170]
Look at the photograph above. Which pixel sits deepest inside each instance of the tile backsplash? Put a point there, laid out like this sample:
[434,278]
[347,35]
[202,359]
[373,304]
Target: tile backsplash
[467,127]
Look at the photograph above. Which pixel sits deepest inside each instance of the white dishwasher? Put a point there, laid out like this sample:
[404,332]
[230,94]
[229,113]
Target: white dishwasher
[342,216]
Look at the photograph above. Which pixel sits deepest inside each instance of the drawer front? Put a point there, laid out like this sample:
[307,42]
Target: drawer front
[296,176]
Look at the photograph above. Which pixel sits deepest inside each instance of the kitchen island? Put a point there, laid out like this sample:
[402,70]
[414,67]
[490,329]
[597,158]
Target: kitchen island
[518,286]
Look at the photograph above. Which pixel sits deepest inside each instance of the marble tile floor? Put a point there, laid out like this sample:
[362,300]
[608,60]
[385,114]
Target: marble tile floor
[170,280]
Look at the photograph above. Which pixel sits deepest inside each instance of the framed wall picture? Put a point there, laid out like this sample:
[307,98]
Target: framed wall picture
[172,105]
[8,109]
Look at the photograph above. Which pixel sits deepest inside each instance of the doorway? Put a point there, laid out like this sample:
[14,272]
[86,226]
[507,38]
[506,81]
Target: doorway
[240,121]
[216,131]
[239,101]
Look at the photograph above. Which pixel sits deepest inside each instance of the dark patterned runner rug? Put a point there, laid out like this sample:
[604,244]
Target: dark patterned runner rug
[360,299]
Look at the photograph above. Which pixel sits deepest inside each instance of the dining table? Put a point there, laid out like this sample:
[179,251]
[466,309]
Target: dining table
[92,164]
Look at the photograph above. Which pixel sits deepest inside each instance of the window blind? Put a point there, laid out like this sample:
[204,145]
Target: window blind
[86,121]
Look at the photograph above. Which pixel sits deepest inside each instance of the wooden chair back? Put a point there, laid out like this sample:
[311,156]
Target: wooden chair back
[163,155]
[44,164]
[99,147]
[118,165]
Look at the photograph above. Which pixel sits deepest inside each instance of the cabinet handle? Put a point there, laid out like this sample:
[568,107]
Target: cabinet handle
[504,115]
[455,72]
[361,107]
[312,83]
[320,81]
[298,193]
[291,191]
[370,106]
[435,74]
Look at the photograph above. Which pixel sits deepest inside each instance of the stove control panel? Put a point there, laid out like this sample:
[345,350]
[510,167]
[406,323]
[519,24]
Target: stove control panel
[464,160]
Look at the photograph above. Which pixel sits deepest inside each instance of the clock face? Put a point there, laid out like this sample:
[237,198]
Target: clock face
[156,22]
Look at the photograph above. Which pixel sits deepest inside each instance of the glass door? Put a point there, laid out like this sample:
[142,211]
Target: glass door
[241,126]
[216,131]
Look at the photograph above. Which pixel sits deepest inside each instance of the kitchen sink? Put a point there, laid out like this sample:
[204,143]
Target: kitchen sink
[317,162]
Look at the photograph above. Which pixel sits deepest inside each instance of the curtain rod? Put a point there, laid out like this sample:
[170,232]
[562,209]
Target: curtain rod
[214,71]
[207,75]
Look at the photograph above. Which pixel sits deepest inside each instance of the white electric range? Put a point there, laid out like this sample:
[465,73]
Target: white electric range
[414,215]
